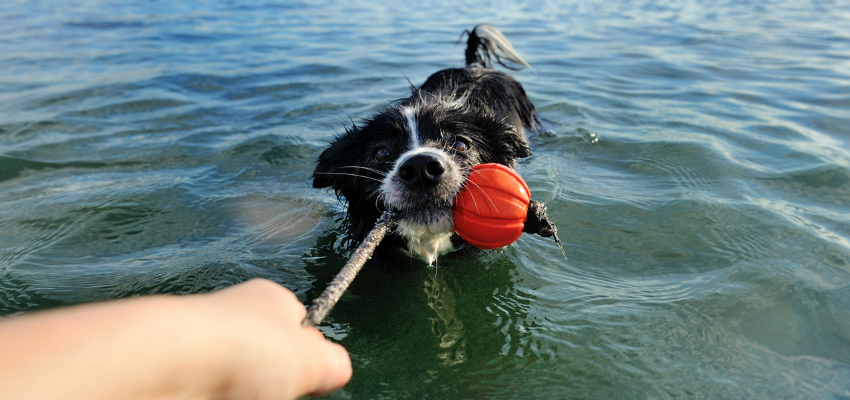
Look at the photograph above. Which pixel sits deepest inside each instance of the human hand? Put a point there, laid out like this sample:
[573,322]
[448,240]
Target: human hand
[273,356]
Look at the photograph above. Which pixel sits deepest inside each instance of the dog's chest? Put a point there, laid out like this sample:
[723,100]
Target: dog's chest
[427,241]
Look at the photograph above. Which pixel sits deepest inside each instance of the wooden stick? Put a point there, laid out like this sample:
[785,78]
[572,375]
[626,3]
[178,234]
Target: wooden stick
[323,304]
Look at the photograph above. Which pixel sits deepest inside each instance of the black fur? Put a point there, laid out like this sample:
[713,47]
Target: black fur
[485,109]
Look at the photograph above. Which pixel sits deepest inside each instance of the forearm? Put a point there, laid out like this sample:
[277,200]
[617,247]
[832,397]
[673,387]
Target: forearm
[127,349]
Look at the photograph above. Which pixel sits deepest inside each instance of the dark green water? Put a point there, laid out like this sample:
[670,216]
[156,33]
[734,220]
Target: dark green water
[697,165]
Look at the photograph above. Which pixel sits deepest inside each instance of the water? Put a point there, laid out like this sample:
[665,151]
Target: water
[697,164]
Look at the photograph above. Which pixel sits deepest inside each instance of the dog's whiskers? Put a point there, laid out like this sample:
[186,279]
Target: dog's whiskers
[347,174]
[486,196]
[381,173]
[473,197]
[377,200]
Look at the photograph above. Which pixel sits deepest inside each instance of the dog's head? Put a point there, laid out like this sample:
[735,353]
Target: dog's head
[413,158]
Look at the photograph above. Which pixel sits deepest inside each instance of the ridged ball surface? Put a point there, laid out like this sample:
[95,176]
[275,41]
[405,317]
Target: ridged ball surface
[490,211]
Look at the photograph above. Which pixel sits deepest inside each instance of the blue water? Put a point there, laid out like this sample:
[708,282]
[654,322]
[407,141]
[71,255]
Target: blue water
[696,162]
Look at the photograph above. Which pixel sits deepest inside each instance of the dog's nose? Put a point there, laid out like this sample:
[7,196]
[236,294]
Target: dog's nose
[421,171]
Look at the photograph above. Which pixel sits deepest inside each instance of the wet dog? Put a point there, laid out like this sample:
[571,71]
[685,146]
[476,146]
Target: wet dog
[414,157]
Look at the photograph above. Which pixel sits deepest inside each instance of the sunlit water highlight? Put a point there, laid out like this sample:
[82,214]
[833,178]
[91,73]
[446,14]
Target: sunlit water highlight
[697,163]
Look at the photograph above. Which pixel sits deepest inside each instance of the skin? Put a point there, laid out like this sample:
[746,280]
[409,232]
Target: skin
[243,342]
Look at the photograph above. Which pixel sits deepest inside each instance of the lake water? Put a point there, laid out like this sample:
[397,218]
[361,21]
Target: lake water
[696,162]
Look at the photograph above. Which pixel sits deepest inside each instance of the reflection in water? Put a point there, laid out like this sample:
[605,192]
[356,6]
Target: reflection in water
[445,326]
[405,324]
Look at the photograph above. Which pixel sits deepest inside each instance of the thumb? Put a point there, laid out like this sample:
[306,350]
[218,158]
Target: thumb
[332,369]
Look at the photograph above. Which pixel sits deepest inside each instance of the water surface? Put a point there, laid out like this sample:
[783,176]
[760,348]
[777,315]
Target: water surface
[696,162]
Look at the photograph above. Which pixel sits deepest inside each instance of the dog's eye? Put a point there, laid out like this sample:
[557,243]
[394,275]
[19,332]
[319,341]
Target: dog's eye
[382,154]
[460,145]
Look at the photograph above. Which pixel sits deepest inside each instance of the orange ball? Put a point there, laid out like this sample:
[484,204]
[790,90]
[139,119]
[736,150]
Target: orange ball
[491,209]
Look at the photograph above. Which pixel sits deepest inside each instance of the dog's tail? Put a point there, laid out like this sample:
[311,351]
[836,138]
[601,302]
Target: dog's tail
[486,43]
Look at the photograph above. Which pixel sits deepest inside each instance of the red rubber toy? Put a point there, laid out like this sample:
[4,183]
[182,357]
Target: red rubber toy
[490,211]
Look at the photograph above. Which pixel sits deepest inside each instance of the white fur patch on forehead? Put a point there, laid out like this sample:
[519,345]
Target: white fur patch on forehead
[412,127]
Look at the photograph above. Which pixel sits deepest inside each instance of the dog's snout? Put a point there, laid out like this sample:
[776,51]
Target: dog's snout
[422,171]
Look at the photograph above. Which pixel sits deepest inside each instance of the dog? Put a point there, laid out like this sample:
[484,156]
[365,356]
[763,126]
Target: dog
[414,156]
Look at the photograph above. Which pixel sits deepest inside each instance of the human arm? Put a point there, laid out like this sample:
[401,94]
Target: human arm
[243,342]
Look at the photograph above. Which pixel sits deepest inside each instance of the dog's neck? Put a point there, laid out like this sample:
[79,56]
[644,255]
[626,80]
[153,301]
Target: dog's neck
[427,241]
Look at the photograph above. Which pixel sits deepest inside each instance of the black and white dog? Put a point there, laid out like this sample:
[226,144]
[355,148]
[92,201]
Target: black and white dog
[414,157]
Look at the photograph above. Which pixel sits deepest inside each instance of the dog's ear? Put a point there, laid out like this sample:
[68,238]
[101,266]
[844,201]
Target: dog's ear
[320,177]
[327,166]
[514,144]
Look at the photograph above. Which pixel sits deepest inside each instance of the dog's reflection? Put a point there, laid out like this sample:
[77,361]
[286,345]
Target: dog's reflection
[402,305]
[445,325]
[405,323]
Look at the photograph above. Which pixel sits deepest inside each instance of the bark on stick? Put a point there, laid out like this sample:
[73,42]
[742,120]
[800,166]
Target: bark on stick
[323,304]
